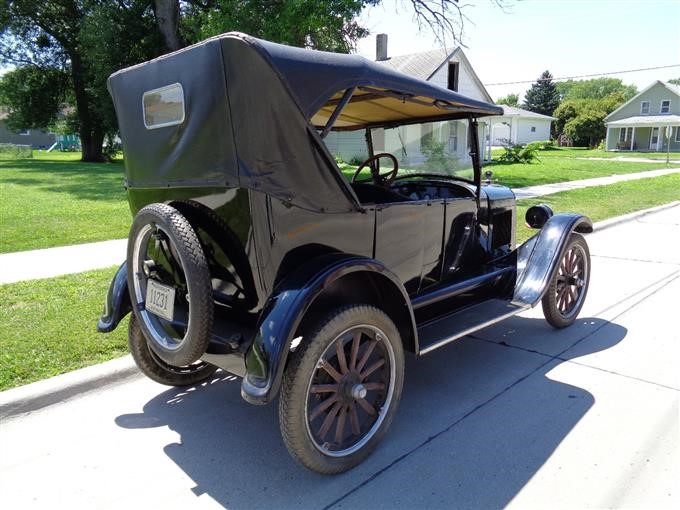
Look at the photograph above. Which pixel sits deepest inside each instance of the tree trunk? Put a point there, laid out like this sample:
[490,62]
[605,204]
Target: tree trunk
[167,19]
[91,135]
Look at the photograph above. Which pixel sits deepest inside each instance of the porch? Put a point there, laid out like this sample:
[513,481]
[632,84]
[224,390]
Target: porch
[644,134]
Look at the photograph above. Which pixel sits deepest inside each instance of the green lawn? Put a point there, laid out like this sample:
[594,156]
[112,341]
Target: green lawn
[602,202]
[48,327]
[54,200]
[585,152]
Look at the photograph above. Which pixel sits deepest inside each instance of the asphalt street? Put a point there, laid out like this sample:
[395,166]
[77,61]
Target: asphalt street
[517,415]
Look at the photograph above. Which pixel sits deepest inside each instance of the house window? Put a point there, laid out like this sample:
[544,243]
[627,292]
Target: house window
[453,76]
[533,129]
[665,106]
[622,135]
[677,133]
[24,132]
[644,108]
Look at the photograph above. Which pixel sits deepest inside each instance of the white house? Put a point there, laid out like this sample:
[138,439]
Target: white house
[650,121]
[452,70]
[519,126]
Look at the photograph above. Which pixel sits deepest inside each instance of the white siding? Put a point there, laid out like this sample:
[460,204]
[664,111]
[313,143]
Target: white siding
[466,85]
[347,144]
[500,134]
[524,134]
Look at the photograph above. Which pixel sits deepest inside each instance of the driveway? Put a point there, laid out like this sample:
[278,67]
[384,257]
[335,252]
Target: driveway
[517,415]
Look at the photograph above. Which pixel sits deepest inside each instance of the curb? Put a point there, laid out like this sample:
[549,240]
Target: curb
[617,220]
[41,394]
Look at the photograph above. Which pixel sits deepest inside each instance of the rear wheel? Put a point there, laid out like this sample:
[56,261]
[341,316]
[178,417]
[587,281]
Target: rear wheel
[157,369]
[568,288]
[341,389]
[170,284]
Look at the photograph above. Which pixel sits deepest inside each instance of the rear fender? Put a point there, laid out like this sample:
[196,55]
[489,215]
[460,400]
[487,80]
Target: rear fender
[539,257]
[117,303]
[286,308]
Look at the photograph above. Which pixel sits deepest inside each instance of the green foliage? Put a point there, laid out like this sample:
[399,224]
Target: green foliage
[436,157]
[509,100]
[597,88]
[542,97]
[583,119]
[518,154]
[674,81]
[14,151]
[33,95]
[542,145]
[329,25]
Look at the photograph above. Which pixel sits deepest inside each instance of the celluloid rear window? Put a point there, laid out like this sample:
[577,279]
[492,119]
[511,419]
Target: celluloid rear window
[164,106]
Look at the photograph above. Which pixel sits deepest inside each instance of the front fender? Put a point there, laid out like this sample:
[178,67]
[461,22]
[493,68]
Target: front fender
[283,312]
[538,258]
[117,303]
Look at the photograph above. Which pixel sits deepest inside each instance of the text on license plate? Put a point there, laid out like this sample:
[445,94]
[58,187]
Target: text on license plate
[160,299]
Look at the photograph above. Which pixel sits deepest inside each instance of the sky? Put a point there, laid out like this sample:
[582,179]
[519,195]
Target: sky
[526,37]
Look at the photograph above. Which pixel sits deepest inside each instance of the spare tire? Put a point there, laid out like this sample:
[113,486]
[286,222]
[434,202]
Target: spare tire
[170,286]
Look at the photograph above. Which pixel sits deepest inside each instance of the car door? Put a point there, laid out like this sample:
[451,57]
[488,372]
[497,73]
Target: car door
[408,239]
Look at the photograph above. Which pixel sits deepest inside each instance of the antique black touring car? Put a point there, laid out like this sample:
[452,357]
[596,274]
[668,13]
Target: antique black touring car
[252,252]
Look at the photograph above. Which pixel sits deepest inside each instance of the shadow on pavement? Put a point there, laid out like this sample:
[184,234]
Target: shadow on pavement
[477,419]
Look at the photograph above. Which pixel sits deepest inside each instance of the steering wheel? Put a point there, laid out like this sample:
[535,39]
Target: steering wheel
[378,178]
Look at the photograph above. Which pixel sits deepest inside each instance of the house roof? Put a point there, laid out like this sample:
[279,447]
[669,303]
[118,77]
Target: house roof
[520,112]
[646,120]
[675,89]
[425,64]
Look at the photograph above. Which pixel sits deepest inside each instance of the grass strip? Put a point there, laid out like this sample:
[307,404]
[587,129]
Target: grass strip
[54,200]
[48,327]
[602,202]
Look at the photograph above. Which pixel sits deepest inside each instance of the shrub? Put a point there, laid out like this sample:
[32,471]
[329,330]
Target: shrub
[14,151]
[518,154]
[542,145]
[338,160]
[356,160]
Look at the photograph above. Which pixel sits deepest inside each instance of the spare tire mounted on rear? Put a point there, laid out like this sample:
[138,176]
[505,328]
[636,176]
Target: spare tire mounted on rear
[170,284]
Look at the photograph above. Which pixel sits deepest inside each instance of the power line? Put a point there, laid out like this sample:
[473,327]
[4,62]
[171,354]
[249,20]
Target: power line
[583,75]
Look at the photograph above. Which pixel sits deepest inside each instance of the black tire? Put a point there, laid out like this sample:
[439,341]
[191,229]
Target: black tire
[207,223]
[307,402]
[568,287]
[178,262]
[157,369]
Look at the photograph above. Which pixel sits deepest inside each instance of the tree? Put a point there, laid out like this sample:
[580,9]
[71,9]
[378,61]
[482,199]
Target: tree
[542,97]
[87,40]
[597,88]
[509,100]
[583,119]
[35,96]
[78,38]
[674,81]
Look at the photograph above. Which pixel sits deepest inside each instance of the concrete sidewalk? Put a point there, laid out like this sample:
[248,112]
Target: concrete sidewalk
[518,415]
[50,262]
[549,189]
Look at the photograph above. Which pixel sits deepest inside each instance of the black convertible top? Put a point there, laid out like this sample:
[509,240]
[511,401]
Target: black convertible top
[250,110]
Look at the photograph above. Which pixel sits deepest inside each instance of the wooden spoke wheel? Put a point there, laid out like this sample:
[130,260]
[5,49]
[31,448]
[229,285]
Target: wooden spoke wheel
[341,389]
[569,286]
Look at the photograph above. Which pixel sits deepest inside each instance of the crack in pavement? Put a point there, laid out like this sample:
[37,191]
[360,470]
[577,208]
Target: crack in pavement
[557,357]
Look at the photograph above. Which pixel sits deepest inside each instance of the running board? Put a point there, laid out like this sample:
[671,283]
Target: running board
[439,332]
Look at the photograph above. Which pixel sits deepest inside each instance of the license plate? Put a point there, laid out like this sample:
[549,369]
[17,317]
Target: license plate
[160,299]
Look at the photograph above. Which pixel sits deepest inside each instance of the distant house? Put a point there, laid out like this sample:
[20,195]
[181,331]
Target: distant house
[518,126]
[36,138]
[647,122]
[449,69]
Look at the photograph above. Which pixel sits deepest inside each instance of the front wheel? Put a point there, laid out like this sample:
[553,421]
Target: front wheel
[568,288]
[341,389]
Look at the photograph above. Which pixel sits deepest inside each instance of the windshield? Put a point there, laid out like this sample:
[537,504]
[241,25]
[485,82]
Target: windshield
[439,148]
[432,148]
